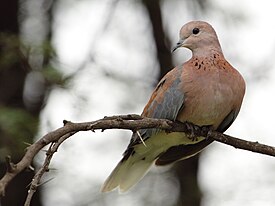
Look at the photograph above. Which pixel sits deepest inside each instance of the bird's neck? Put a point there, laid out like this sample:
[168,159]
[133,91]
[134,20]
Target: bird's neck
[207,52]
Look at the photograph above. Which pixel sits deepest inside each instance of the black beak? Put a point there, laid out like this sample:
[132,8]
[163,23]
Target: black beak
[178,45]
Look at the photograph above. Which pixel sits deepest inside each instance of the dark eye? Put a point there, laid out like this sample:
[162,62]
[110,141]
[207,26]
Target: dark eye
[196,30]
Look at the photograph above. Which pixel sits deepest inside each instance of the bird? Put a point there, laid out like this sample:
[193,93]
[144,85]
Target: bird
[205,91]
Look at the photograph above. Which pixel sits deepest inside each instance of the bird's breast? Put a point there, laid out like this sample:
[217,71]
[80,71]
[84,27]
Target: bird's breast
[210,95]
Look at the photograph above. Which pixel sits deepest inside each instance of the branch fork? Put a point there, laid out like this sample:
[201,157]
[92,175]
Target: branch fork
[131,122]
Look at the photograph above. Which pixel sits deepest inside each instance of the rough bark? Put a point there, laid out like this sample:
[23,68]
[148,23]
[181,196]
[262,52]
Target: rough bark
[131,122]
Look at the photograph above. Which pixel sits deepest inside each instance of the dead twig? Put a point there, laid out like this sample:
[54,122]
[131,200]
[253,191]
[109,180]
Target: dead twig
[130,122]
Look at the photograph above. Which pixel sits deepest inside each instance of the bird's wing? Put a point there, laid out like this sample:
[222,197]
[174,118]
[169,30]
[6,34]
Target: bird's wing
[165,103]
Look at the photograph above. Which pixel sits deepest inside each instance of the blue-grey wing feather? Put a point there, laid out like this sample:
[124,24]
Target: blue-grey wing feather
[172,103]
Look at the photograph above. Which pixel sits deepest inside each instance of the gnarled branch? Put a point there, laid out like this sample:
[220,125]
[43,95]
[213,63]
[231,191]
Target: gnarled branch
[131,122]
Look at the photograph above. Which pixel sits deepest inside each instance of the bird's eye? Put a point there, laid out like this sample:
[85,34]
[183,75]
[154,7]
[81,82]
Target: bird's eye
[196,30]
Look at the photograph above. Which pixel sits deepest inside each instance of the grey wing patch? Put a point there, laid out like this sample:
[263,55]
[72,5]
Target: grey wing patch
[172,103]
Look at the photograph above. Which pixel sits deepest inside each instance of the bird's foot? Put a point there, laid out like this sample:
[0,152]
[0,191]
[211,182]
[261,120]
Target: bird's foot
[206,130]
[193,129]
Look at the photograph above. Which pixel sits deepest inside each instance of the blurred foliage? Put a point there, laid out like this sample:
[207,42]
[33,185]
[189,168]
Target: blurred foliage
[18,127]
[48,50]
[9,50]
[18,124]
[53,76]
[13,52]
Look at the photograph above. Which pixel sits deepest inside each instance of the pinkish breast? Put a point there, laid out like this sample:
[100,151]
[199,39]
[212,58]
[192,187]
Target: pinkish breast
[212,88]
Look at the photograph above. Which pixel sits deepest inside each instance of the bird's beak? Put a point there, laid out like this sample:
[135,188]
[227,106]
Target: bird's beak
[178,45]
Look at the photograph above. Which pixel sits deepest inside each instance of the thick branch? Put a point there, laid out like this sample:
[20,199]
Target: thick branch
[131,122]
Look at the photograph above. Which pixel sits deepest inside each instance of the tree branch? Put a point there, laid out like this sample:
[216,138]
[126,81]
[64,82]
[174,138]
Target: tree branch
[37,177]
[131,122]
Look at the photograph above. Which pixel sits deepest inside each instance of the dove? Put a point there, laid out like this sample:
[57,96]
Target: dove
[205,91]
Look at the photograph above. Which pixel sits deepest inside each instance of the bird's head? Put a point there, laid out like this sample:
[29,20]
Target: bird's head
[199,37]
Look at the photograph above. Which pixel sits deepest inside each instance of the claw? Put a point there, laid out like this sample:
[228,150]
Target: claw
[209,133]
[193,130]
[207,130]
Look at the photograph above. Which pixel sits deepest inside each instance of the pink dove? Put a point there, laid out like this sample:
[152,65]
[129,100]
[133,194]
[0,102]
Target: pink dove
[206,91]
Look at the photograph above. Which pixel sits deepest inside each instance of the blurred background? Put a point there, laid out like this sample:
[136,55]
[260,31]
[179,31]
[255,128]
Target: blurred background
[81,60]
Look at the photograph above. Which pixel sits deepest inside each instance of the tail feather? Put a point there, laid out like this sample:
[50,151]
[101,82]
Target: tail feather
[134,174]
[126,174]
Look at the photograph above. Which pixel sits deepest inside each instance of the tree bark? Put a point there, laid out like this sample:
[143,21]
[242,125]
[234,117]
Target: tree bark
[130,122]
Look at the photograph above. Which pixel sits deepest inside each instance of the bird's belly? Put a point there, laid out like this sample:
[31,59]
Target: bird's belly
[209,108]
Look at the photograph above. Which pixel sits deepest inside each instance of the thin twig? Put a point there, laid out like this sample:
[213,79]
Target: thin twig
[9,164]
[45,168]
[141,139]
[130,122]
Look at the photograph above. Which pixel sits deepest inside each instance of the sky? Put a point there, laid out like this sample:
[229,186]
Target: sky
[122,48]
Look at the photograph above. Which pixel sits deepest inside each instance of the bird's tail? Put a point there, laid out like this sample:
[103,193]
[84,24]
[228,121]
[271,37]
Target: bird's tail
[127,173]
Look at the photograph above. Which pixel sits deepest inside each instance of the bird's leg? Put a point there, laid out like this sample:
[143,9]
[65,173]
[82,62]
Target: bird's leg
[196,131]
[193,129]
[206,130]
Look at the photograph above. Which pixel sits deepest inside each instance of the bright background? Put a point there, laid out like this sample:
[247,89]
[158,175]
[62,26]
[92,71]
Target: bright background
[109,49]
